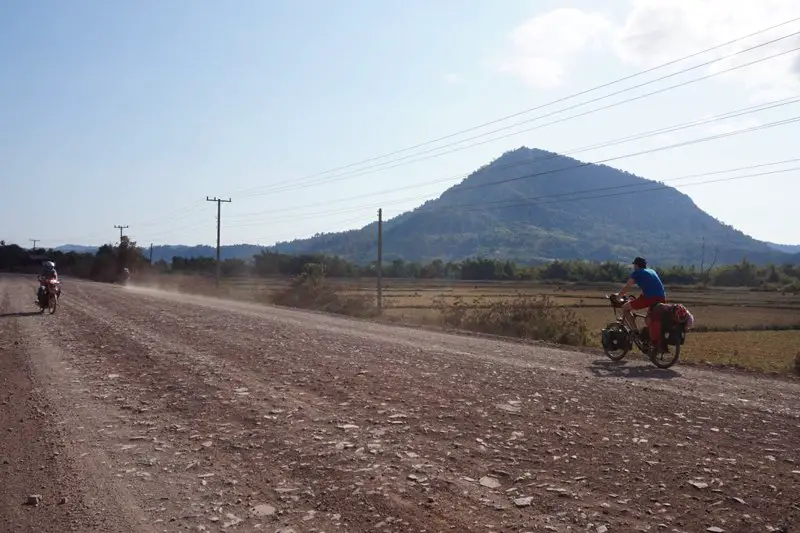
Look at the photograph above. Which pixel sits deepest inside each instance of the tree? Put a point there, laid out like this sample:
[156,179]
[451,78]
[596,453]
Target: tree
[128,255]
[481,269]
[509,270]
[556,270]
[773,276]
[233,267]
[104,264]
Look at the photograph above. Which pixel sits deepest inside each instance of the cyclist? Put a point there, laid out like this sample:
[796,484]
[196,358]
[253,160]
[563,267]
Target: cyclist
[48,273]
[652,292]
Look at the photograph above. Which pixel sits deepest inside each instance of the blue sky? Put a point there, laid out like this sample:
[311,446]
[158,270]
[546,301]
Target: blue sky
[133,112]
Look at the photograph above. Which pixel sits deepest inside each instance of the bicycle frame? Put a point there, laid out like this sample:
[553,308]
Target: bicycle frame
[633,334]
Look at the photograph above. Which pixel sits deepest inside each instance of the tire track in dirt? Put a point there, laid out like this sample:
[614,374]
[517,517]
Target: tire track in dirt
[151,348]
[588,429]
[28,469]
[320,448]
[199,408]
[45,451]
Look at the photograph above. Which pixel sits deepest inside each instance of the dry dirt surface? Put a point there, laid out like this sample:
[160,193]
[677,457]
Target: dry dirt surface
[132,410]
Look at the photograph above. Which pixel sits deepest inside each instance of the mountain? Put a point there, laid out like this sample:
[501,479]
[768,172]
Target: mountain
[232,251]
[785,248]
[78,248]
[531,205]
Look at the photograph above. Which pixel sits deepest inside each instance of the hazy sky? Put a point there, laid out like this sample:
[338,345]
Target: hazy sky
[132,112]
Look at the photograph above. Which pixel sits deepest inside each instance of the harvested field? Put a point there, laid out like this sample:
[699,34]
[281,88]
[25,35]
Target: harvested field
[729,320]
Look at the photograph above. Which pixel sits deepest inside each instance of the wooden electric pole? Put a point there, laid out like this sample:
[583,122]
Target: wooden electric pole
[151,253]
[34,241]
[219,218]
[120,228]
[380,260]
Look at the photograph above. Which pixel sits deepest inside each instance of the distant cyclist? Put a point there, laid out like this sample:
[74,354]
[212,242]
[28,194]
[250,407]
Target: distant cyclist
[48,273]
[652,291]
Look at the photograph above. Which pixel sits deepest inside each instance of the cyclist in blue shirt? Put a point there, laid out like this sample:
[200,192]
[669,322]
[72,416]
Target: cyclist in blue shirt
[652,291]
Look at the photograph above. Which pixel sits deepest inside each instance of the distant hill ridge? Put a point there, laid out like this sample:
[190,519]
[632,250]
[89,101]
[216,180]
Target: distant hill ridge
[786,248]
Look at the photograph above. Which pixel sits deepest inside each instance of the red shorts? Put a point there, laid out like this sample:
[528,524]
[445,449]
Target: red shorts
[643,302]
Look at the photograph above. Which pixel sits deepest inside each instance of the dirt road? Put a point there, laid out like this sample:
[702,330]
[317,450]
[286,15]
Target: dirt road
[136,411]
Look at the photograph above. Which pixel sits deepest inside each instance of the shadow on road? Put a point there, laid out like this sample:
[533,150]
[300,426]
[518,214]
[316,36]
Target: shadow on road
[19,314]
[603,369]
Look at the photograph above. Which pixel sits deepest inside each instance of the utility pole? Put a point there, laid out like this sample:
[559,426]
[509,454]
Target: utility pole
[380,260]
[120,228]
[34,241]
[151,253]
[219,218]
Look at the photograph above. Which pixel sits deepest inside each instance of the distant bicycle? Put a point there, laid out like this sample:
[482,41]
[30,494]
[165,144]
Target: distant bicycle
[49,293]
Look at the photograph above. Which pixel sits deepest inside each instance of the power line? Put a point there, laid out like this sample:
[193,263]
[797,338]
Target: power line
[535,200]
[361,172]
[642,152]
[597,162]
[552,171]
[639,136]
[299,185]
[657,188]
[617,103]
[555,198]
[497,204]
[181,213]
[564,197]
[541,106]
[562,99]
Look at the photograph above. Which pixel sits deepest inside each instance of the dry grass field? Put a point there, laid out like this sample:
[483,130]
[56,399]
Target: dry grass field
[744,328]
[734,327]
